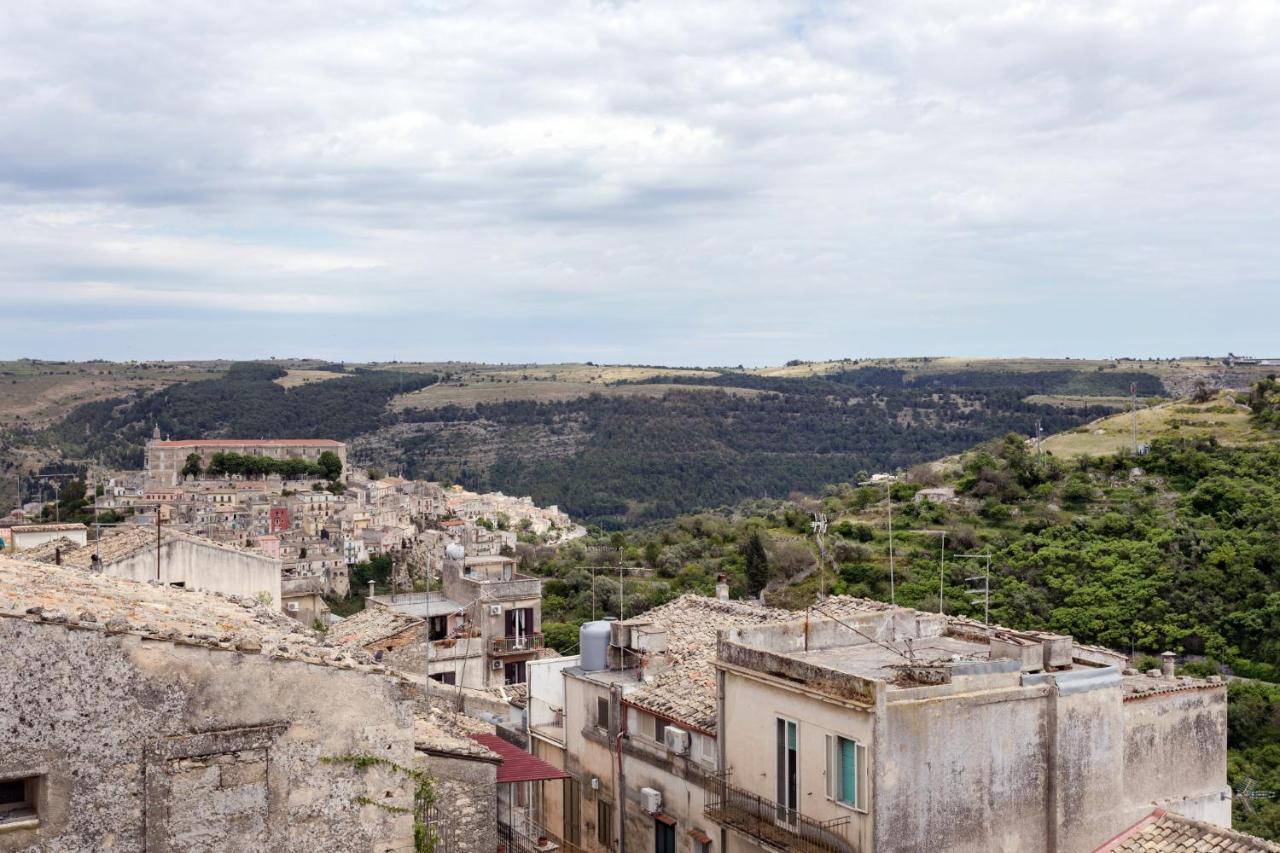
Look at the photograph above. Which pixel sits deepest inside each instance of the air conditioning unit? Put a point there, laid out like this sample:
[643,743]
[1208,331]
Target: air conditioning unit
[497,664]
[495,609]
[677,740]
[292,607]
[651,799]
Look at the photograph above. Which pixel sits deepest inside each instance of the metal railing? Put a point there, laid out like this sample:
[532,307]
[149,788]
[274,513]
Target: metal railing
[516,645]
[531,838]
[765,820]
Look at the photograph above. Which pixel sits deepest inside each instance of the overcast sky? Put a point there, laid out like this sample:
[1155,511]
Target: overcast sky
[654,182]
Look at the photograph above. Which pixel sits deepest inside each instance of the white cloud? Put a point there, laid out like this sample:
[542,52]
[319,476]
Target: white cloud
[684,177]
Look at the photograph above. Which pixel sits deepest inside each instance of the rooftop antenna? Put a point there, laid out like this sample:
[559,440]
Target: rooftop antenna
[819,527]
[1248,794]
[980,593]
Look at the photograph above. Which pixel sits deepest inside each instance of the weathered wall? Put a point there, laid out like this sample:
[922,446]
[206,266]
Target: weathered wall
[132,735]
[748,729]
[681,780]
[467,792]
[1175,754]
[204,567]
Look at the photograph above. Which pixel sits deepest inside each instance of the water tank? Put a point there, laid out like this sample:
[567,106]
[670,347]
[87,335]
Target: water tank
[593,642]
[454,551]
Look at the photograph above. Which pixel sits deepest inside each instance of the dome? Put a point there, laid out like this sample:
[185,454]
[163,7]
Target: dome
[454,551]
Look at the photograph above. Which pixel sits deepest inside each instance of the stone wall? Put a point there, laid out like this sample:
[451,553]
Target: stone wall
[162,746]
[469,821]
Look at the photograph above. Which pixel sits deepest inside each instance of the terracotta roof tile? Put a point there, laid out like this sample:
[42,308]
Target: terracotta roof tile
[1166,832]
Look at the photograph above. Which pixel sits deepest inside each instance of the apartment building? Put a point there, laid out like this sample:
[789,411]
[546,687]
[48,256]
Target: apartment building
[888,729]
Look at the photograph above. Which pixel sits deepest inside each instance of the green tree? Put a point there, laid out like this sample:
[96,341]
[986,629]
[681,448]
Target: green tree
[192,467]
[757,563]
[331,466]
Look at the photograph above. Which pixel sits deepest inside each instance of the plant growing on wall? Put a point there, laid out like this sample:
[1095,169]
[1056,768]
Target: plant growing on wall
[424,796]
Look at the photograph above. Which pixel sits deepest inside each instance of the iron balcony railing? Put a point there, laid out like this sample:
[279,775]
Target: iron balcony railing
[516,645]
[765,820]
[531,838]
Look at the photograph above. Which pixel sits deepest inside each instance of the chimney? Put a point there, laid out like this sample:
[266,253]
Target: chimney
[722,587]
[1166,664]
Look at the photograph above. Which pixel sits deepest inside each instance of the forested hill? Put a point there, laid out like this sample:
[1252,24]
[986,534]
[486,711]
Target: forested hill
[619,460]
[247,401]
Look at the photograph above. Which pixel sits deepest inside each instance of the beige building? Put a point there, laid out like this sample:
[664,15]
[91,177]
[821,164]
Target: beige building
[888,729]
[164,459]
[26,536]
[636,728]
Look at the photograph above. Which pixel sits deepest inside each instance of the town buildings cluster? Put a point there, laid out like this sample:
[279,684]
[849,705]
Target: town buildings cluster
[159,692]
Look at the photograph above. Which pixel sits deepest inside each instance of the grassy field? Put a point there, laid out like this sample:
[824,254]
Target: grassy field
[294,378]
[542,391]
[37,393]
[1221,417]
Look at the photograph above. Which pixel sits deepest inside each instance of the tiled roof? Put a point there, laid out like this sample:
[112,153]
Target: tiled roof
[440,730]
[47,528]
[89,601]
[47,552]
[518,765]
[1166,832]
[129,541]
[686,692]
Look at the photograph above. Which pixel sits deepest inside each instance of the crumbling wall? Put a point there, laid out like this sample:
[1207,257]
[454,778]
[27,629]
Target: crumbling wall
[128,732]
[467,799]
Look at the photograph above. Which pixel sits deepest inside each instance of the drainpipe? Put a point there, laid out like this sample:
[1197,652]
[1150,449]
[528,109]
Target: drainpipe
[620,789]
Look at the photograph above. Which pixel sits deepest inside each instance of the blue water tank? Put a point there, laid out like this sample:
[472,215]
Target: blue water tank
[593,642]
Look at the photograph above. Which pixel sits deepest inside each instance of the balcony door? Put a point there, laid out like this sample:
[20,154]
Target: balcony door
[788,770]
[519,623]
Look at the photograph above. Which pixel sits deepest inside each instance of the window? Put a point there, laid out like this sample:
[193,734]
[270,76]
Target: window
[514,673]
[846,772]
[445,677]
[604,822]
[659,729]
[602,712]
[664,835]
[709,756]
[18,799]
[788,776]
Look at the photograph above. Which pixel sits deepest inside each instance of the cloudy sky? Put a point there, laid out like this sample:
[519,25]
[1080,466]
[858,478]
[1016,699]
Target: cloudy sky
[669,182]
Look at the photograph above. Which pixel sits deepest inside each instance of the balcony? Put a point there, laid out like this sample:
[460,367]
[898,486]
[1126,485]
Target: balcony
[503,646]
[764,820]
[527,837]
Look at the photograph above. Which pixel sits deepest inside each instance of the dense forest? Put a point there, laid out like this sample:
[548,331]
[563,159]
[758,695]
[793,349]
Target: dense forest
[633,459]
[246,402]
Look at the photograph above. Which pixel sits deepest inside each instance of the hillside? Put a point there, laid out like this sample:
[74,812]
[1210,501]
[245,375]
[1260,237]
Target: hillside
[614,444]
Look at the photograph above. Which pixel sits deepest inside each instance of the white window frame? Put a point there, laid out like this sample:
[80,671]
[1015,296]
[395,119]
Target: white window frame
[860,775]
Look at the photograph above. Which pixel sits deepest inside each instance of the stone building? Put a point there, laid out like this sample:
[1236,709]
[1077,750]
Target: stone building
[178,559]
[164,459]
[25,536]
[889,729]
[139,716]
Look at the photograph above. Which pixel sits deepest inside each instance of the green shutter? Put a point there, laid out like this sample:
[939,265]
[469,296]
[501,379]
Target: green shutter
[848,772]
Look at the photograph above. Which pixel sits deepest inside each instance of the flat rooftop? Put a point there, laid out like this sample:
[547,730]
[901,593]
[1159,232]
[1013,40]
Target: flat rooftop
[878,660]
[418,604]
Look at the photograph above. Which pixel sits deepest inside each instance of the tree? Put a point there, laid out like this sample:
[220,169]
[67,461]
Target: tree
[192,468]
[757,563]
[331,465]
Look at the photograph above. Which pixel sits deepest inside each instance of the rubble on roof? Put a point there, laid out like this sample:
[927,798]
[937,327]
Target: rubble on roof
[686,691]
[516,695]
[443,731]
[80,600]
[1166,832]
[124,543]
[51,551]
[371,625]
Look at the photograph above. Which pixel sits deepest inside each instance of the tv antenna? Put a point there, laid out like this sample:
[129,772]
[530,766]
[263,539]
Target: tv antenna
[819,527]
[1249,794]
[980,589]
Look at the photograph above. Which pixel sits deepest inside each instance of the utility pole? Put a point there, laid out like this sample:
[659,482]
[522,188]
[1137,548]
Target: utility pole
[157,542]
[1133,392]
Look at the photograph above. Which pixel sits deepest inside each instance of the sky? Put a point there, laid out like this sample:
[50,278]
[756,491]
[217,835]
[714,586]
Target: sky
[638,182]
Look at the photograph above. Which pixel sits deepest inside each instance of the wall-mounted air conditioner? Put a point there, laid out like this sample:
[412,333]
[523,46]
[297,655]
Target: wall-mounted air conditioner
[292,607]
[497,664]
[677,740]
[651,799]
[495,609]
